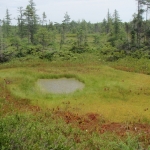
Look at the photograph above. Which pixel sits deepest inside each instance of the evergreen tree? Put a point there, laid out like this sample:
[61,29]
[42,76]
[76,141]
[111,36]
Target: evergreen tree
[62,35]
[73,26]
[66,22]
[31,20]
[96,28]
[139,21]
[44,19]
[1,41]
[50,26]
[104,26]
[127,30]
[43,37]
[82,34]
[116,23]
[109,22]
[7,24]
[21,23]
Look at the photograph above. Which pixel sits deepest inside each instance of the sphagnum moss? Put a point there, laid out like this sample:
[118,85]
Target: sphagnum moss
[115,95]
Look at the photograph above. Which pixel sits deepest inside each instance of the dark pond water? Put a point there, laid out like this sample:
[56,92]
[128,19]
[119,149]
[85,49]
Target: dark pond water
[60,86]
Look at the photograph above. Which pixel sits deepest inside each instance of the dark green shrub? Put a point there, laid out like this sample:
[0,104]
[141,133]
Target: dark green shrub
[47,55]
[31,49]
[78,49]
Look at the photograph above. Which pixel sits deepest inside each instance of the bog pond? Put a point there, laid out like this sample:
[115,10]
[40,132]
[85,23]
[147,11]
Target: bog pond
[60,86]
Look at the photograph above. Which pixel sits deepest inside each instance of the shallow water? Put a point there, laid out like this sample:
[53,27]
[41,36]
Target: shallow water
[60,86]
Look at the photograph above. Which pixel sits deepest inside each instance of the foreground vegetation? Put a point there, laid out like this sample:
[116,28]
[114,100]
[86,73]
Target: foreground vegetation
[42,132]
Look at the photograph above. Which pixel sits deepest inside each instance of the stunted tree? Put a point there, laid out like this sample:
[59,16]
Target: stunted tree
[128,30]
[44,21]
[116,23]
[80,37]
[31,20]
[96,28]
[50,26]
[43,37]
[109,23]
[21,23]
[7,24]
[147,3]
[96,39]
[62,35]
[139,20]
[16,42]
[1,41]
[64,29]
[104,26]
[66,22]
[82,34]
[147,29]
[73,26]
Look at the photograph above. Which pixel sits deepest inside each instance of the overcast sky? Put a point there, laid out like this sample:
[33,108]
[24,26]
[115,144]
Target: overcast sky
[90,10]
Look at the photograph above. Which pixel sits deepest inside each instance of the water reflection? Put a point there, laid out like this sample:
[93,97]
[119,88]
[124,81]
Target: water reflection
[60,86]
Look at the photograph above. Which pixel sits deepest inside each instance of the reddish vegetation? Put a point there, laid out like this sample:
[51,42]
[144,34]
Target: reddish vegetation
[124,68]
[94,123]
[129,69]
[10,104]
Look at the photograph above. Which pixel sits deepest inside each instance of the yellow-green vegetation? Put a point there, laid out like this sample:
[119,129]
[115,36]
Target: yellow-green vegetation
[116,95]
[32,119]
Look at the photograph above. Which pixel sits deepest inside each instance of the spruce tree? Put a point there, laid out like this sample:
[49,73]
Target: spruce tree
[31,20]
[116,23]
[7,24]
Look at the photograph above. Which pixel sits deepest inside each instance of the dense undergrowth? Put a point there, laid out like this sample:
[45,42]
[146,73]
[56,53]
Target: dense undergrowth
[43,132]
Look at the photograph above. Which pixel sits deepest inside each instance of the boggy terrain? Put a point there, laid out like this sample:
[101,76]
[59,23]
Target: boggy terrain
[113,103]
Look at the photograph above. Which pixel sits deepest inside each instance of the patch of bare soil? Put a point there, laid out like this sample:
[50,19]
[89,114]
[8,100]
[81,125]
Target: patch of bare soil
[95,123]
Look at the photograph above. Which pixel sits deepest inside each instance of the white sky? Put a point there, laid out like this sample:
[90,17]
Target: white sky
[90,10]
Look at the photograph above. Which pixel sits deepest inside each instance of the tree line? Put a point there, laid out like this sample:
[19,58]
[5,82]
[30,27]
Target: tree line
[40,34]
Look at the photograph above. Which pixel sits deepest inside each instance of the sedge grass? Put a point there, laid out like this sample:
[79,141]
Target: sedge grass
[117,95]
